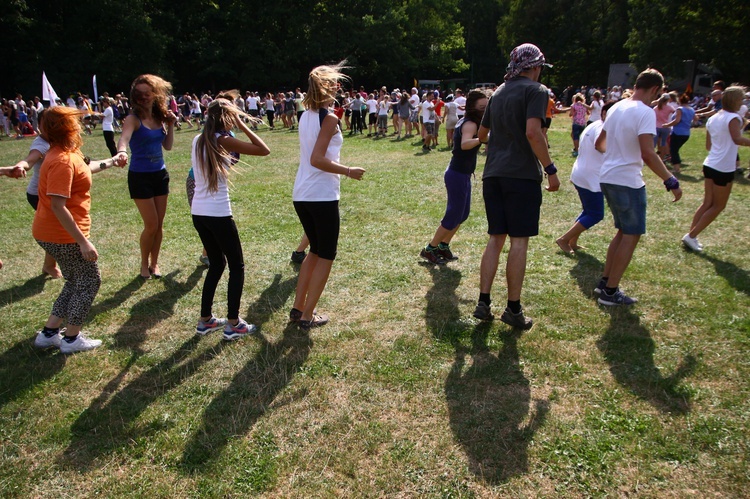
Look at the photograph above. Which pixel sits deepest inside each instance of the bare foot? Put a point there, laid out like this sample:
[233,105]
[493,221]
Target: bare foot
[576,247]
[54,272]
[564,246]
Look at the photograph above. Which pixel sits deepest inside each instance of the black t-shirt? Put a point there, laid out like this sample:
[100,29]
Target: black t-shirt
[509,153]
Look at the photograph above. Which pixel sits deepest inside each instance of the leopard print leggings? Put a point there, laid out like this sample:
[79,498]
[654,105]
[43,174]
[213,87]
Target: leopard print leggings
[82,281]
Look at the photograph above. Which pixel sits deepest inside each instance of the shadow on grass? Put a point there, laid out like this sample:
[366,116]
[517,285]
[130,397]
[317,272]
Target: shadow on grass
[488,404]
[116,300]
[250,394]
[628,348]
[14,294]
[22,367]
[586,271]
[489,401]
[152,310]
[271,299]
[109,423]
[736,277]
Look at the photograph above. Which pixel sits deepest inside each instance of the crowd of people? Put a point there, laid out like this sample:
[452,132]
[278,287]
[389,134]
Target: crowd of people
[614,134]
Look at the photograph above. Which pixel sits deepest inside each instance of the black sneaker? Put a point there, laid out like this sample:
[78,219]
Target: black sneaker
[432,256]
[298,256]
[516,320]
[599,289]
[316,321]
[445,251]
[616,298]
[483,312]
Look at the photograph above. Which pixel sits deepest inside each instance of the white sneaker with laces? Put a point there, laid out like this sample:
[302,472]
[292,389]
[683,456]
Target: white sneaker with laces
[692,243]
[81,344]
[41,341]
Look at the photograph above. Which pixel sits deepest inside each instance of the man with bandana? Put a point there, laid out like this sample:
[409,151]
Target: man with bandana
[517,161]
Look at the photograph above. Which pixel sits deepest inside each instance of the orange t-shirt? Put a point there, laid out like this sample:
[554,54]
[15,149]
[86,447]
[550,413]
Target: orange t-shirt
[550,107]
[62,174]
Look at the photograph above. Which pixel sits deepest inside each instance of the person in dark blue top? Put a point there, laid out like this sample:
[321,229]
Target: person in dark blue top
[148,129]
[458,180]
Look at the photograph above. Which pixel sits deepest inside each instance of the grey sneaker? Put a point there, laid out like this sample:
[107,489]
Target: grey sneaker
[516,320]
[42,341]
[599,289]
[204,261]
[81,344]
[616,298]
[483,312]
[242,328]
[213,324]
[692,243]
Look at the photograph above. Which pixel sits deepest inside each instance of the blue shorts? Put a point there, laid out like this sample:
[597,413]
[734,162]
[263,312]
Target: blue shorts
[628,207]
[593,207]
[661,137]
[577,130]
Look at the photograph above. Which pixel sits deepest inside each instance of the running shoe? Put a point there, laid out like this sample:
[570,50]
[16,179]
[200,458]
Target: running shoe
[80,344]
[242,328]
[213,324]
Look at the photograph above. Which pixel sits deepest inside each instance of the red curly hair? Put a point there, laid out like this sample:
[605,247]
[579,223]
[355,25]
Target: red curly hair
[62,127]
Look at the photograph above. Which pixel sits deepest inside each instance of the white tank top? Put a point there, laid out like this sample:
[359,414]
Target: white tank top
[313,184]
[205,202]
[723,154]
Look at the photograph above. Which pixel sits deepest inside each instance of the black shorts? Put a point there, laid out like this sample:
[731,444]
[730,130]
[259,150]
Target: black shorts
[373,119]
[512,206]
[321,222]
[147,185]
[547,123]
[722,179]
[33,200]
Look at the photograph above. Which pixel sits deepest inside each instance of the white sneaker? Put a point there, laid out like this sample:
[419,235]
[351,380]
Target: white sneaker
[42,341]
[81,344]
[692,243]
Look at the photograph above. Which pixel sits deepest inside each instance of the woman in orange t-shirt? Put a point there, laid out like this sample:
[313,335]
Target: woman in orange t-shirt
[61,227]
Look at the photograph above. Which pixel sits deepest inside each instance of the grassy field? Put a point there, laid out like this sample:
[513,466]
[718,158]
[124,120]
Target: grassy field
[403,394]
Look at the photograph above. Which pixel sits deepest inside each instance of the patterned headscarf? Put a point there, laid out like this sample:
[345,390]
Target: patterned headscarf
[524,57]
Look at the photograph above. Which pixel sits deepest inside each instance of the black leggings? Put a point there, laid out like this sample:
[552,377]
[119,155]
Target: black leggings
[222,243]
[109,139]
[675,143]
[269,115]
[356,121]
[321,222]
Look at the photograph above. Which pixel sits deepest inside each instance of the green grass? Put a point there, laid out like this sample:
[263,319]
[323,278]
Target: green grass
[403,393]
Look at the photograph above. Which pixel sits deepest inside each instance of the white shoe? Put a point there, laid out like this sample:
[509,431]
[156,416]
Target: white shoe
[81,344]
[692,243]
[41,341]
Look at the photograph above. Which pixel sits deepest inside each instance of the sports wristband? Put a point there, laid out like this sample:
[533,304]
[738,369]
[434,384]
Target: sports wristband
[672,183]
[550,169]
[103,165]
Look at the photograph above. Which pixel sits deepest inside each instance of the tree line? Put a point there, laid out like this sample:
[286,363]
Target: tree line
[215,44]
